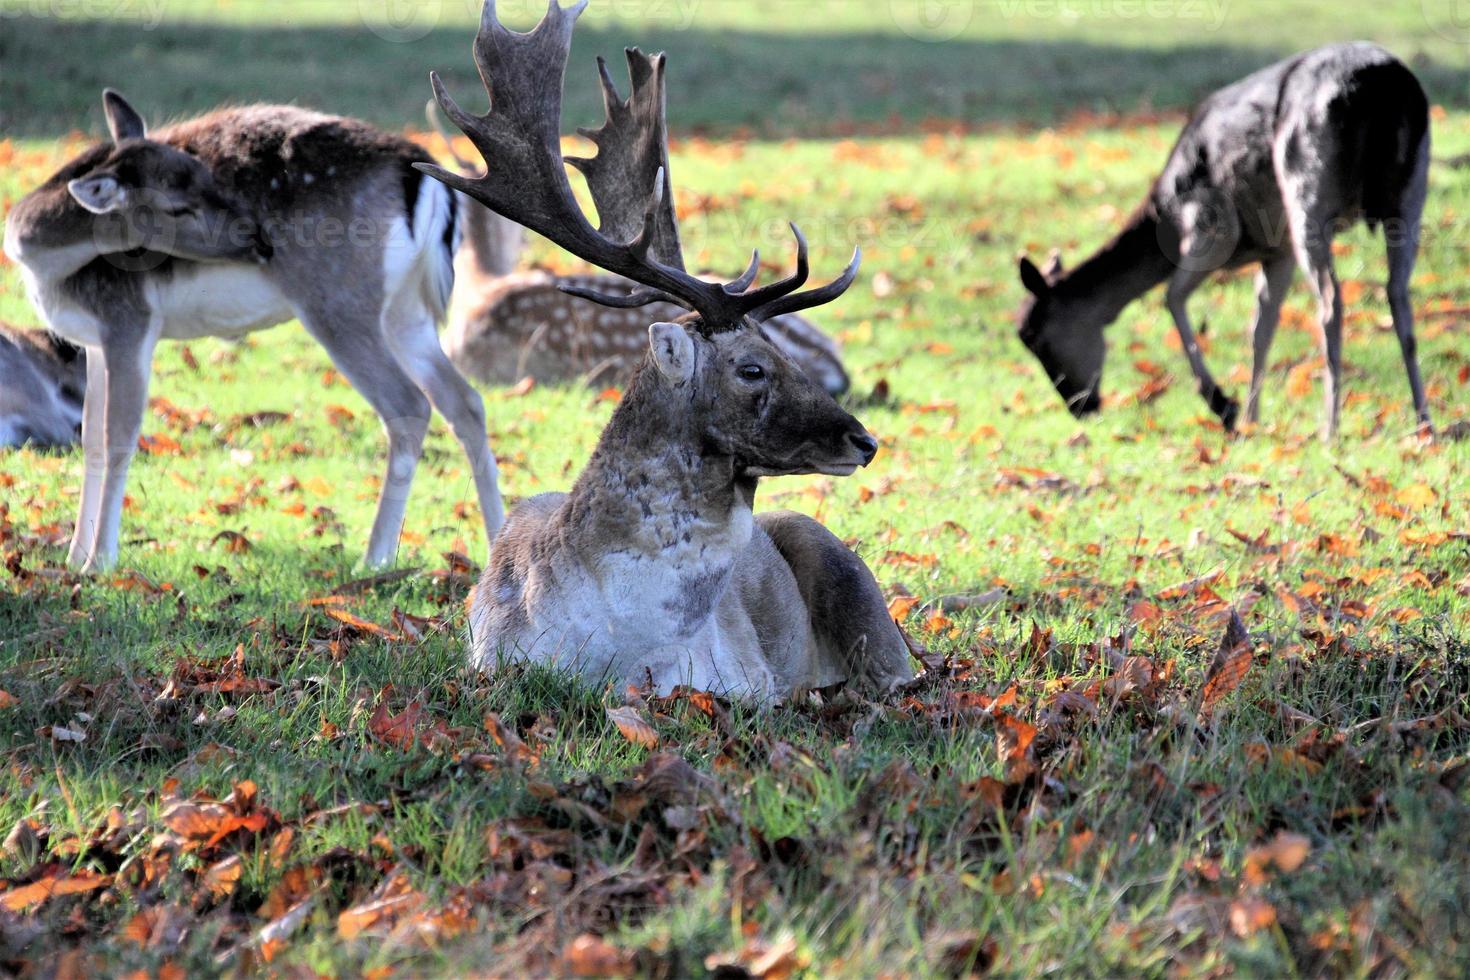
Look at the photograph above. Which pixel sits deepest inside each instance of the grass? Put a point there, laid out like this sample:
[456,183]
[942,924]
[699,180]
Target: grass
[845,839]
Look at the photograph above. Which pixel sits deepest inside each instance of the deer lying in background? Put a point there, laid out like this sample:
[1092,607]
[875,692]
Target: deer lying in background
[1267,171]
[653,568]
[234,222]
[505,325]
[42,381]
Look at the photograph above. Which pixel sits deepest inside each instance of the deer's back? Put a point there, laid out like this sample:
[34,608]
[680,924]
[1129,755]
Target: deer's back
[1328,102]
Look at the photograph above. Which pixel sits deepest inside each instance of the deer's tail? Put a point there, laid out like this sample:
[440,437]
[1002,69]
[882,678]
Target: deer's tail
[1395,114]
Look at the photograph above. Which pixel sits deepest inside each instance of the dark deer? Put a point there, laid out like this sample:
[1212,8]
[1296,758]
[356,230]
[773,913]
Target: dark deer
[653,568]
[1266,172]
[506,324]
[230,223]
[42,382]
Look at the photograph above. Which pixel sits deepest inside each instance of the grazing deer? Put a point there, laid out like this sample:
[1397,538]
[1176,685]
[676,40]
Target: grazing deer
[1266,172]
[505,325]
[230,223]
[652,567]
[42,381]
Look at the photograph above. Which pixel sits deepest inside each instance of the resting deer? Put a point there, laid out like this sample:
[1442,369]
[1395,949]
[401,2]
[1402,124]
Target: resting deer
[230,223]
[1266,171]
[505,325]
[42,381]
[652,567]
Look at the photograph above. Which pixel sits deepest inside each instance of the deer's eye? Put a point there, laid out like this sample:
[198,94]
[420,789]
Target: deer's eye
[751,372]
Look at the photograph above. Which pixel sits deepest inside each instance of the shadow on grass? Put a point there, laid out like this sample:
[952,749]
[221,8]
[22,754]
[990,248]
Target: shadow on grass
[722,81]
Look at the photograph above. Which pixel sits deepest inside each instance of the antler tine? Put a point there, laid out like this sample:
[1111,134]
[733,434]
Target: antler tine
[737,286]
[759,297]
[618,301]
[812,297]
[436,123]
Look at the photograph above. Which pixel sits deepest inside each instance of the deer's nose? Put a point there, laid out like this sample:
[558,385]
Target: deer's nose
[864,444]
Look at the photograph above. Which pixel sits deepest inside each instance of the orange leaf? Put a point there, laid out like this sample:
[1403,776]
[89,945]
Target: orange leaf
[8,700]
[634,726]
[1250,915]
[37,892]
[360,624]
[397,730]
[1230,665]
[1417,495]
[900,607]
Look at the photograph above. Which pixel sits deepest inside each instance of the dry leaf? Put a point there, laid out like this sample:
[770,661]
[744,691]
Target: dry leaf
[634,726]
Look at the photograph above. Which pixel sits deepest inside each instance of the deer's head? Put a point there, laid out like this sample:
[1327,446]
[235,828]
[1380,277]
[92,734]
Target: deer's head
[1065,334]
[742,396]
[747,400]
[161,198]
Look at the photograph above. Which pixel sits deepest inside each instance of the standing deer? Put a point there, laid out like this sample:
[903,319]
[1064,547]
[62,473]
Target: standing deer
[1267,171]
[652,567]
[230,223]
[42,381]
[505,325]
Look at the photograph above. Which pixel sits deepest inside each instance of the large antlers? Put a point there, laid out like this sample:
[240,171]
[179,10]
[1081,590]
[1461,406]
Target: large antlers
[526,179]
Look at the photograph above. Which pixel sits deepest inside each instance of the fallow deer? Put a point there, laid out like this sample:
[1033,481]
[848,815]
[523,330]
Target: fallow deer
[42,381]
[1267,171]
[505,324]
[653,567]
[233,222]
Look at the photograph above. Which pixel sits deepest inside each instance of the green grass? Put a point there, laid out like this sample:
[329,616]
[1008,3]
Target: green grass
[859,836]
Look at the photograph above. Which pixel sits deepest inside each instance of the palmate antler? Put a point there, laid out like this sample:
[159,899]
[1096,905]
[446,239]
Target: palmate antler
[526,179]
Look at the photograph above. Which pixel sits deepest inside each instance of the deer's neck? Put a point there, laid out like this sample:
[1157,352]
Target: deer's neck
[1128,266]
[492,244]
[656,503]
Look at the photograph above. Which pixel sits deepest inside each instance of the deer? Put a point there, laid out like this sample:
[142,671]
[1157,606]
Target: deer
[506,324]
[653,568]
[42,382]
[233,222]
[1265,172]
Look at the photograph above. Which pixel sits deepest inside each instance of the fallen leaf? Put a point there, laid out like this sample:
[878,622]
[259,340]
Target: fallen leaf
[634,726]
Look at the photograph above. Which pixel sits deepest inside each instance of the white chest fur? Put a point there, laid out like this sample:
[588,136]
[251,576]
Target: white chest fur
[224,300]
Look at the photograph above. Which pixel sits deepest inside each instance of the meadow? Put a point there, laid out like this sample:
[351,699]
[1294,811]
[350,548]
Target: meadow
[1197,704]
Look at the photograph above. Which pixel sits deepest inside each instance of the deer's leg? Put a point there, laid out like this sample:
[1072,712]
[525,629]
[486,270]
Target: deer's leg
[360,351]
[1314,254]
[1271,285]
[127,363]
[1402,237]
[94,461]
[849,619]
[1183,283]
[416,342]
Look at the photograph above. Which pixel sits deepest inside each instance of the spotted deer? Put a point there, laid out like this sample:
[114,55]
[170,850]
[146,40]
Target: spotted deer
[230,223]
[505,324]
[1266,172]
[42,381]
[653,568]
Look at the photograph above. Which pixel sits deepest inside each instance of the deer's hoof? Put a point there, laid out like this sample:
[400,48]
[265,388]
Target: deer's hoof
[1227,409]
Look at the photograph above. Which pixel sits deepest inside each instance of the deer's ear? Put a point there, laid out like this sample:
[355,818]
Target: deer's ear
[123,120]
[98,193]
[673,351]
[1053,265]
[1032,278]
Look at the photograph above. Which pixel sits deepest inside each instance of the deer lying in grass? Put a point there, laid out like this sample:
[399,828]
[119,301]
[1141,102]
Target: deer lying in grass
[1267,171]
[42,381]
[234,222]
[505,325]
[653,568]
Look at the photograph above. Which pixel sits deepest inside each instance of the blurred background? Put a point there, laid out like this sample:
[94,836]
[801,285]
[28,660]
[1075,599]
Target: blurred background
[808,68]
